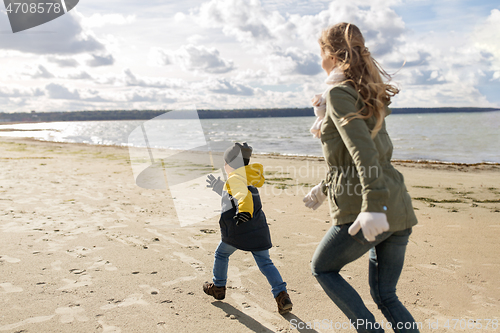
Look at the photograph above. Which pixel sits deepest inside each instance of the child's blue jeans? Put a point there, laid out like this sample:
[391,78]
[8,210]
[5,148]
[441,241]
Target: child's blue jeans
[262,259]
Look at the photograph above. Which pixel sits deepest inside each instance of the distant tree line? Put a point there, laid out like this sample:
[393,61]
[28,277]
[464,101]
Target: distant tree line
[203,114]
[441,110]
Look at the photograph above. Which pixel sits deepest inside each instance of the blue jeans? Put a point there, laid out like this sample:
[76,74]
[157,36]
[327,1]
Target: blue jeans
[262,259]
[387,252]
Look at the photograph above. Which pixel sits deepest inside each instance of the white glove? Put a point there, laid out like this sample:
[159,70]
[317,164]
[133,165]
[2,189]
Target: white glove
[315,197]
[372,224]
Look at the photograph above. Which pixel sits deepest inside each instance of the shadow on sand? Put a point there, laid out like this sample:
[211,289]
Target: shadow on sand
[253,324]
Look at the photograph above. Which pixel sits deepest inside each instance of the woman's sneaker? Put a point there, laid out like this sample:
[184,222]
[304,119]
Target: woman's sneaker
[284,302]
[219,293]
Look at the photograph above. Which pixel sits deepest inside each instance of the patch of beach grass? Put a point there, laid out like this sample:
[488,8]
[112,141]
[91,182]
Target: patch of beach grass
[279,179]
[26,158]
[487,201]
[430,200]
[18,147]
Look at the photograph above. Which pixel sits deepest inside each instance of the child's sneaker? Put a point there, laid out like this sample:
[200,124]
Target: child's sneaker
[219,293]
[284,302]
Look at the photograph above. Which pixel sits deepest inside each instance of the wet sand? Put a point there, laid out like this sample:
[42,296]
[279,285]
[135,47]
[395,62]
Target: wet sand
[84,249]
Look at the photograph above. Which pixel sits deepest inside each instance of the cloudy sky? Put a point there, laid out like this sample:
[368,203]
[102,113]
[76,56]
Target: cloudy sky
[223,54]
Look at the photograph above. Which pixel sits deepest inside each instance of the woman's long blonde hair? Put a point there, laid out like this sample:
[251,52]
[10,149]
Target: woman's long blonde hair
[345,43]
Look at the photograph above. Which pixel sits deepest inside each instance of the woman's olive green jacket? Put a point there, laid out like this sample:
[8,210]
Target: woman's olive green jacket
[361,176]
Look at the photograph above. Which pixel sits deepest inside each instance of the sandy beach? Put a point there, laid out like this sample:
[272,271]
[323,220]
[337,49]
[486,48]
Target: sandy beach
[84,249]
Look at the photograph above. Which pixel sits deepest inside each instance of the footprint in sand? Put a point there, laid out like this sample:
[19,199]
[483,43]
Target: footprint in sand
[434,266]
[9,288]
[234,277]
[56,265]
[10,260]
[302,236]
[195,263]
[101,263]
[134,299]
[162,325]
[178,280]
[252,309]
[308,244]
[149,289]
[84,280]
[32,320]
[81,251]
[56,245]
[69,314]
[108,329]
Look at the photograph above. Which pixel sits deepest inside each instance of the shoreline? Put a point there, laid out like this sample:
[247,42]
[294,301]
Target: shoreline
[422,163]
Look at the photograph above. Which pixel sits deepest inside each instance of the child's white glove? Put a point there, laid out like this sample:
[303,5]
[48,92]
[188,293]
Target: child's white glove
[315,197]
[372,224]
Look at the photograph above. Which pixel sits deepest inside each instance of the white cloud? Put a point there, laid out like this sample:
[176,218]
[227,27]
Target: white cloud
[42,73]
[238,54]
[448,68]
[380,25]
[99,20]
[193,58]
[445,95]
[245,20]
[496,76]
[60,92]
[91,95]
[83,75]
[195,39]
[63,35]
[294,61]
[251,75]
[179,17]
[201,58]
[63,62]
[107,80]
[57,91]
[132,80]
[229,87]
[288,44]
[15,92]
[251,24]
[98,60]
[487,35]
[147,95]
[143,96]
[158,57]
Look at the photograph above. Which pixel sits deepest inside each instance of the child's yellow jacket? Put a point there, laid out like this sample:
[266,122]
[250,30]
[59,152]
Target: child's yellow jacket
[237,182]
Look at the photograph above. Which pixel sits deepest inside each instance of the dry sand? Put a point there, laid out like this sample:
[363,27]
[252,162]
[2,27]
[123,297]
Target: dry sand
[84,249]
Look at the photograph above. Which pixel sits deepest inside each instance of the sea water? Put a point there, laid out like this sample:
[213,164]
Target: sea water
[448,137]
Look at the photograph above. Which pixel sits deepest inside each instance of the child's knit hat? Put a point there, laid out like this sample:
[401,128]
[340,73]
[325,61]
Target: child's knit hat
[238,155]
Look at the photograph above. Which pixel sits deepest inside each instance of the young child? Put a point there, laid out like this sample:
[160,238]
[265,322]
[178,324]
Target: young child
[243,224]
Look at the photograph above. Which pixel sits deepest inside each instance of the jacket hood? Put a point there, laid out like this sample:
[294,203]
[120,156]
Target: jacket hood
[253,173]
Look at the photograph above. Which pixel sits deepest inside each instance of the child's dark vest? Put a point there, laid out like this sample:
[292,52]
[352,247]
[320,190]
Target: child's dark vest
[248,236]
